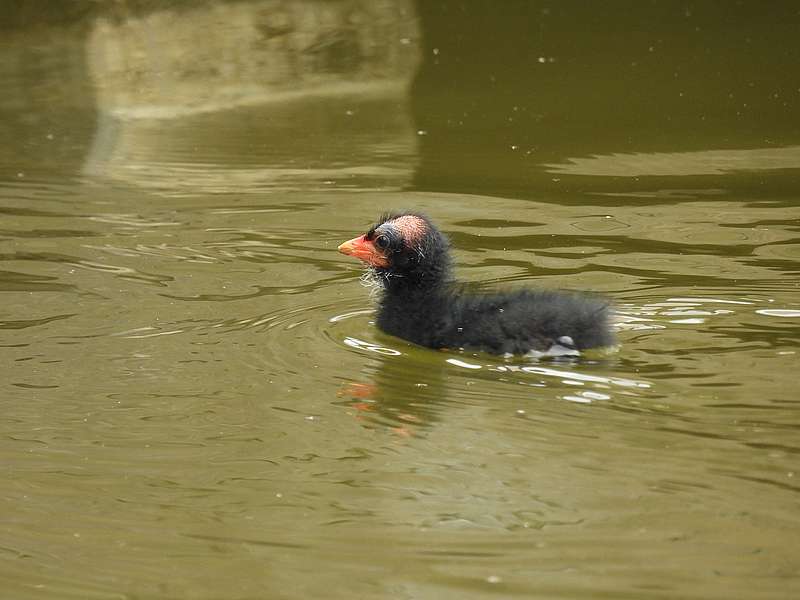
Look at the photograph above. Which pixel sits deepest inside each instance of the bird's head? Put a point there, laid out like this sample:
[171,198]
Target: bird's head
[404,249]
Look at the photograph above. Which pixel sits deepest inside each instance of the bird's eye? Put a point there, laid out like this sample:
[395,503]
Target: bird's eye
[382,242]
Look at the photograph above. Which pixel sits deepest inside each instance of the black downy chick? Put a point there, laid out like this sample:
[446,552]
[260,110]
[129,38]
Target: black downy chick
[420,302]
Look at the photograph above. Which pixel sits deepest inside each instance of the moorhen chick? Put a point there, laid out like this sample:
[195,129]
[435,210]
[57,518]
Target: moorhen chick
[420,302]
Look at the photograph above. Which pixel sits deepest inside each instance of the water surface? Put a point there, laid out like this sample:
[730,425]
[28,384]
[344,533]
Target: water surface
[197,403]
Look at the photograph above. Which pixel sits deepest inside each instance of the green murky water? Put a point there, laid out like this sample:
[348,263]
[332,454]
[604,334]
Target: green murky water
[196,403]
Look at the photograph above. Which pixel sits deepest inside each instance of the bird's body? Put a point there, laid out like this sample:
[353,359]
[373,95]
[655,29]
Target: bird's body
[500,323]
[420,302]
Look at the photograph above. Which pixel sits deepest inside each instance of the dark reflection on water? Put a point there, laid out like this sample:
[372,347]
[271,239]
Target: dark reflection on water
[650,95]
[196,400]
[32,322]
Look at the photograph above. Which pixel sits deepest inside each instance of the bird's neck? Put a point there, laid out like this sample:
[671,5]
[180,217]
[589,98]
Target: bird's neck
[411,286]
[402,296]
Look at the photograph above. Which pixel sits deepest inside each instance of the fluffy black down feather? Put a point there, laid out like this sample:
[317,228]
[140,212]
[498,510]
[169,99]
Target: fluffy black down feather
[500,323]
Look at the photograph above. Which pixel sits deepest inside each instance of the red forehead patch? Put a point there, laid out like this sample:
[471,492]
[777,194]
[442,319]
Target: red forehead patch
[411,227]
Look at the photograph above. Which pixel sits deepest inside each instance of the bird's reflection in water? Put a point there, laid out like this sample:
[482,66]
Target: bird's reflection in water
[411,390]
[404,392]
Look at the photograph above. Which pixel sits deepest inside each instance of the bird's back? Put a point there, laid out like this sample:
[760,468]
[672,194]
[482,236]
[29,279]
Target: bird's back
[512,322]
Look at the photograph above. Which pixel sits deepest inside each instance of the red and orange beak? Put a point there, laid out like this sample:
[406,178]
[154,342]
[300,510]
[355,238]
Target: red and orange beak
[363,249]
